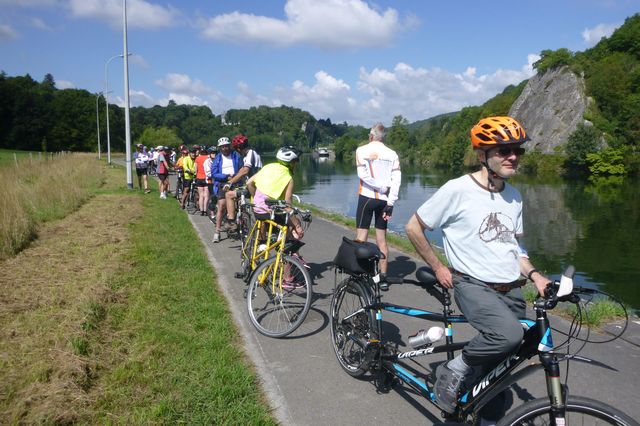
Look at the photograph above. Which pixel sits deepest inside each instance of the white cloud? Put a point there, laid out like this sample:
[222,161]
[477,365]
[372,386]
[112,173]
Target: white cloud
[7,33]
[40,24]
[183,84]
[378,95]
[140,13]
[592,36]
[28,3]
[327,24]
[64,84]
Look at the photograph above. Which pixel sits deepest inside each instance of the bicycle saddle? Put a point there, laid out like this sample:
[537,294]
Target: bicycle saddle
[426,276]
[368,252]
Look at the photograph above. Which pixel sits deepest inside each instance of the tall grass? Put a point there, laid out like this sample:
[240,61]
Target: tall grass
[40,189]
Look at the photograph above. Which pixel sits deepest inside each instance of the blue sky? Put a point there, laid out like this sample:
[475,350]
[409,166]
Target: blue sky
[348,60]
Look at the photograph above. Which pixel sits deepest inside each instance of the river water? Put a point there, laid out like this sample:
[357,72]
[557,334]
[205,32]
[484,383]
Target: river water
[594,226]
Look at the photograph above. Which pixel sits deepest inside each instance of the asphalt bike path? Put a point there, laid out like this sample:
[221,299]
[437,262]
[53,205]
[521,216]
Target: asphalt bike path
[306,386]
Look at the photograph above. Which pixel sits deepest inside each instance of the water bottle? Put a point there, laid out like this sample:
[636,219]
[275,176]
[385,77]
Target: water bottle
[422,337]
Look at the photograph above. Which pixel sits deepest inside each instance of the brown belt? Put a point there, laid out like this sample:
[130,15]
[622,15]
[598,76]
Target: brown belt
[500,287]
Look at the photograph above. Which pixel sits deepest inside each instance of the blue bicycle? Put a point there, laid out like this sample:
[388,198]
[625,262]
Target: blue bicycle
[359,344]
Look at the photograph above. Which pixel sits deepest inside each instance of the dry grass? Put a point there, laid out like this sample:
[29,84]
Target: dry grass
[41,190]
[53,296]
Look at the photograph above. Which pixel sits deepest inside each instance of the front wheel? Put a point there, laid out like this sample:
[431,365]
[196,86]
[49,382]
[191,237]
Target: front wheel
[279,296]
[579,411]
[352,326]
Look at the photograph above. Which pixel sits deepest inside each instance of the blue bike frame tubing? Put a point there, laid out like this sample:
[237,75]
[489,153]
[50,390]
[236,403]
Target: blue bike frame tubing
[536,341]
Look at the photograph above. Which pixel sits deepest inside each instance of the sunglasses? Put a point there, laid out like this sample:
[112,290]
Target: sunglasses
[506,151]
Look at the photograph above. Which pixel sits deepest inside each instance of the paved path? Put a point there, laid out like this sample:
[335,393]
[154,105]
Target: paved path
[305,384]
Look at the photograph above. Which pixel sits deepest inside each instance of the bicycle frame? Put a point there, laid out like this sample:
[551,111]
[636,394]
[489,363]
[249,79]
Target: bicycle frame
[537,340]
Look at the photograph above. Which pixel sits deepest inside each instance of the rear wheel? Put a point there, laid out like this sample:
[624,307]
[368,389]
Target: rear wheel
[279,296]
[579,411]
[352,327]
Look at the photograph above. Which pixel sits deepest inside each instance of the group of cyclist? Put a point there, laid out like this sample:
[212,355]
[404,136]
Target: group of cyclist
[217,172]
[480,216]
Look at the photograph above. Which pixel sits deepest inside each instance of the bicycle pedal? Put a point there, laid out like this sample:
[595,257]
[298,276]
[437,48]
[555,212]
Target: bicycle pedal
[239,275]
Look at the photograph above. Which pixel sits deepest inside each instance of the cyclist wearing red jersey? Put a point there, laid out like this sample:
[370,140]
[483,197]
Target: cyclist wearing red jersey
[201,181]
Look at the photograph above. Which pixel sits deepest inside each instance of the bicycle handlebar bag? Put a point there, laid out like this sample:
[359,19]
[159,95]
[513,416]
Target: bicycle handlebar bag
[347,260]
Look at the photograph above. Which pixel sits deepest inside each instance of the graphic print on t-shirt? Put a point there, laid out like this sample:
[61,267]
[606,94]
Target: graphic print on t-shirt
[497,227]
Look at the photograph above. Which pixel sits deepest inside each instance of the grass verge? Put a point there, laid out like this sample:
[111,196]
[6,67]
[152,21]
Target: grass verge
[112,315]
[42,189]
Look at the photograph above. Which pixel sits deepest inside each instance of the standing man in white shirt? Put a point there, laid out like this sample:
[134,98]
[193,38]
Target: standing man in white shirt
[379,172]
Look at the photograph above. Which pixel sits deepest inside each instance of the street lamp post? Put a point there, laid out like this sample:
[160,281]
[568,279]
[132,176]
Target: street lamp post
[98,124]
[106,101]
[126,96]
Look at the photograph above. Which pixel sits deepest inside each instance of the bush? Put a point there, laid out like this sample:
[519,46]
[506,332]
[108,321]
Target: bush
[609,161]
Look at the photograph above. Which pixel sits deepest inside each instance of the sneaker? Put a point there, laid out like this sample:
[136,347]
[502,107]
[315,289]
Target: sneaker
[216,237]
[291,284]
[384,284]
[163,196]
[231,225]
[448,383]
[146,191]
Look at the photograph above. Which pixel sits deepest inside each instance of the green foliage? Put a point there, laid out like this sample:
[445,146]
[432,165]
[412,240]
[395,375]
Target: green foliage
[585,140]
[550,59]
[152,137]
[345,147]
[609,161]
[540,164]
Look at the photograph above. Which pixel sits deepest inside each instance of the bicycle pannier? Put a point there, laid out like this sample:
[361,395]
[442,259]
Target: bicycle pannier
[347,260]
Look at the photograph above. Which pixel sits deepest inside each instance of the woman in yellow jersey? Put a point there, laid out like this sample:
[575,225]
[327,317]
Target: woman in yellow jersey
[275,181]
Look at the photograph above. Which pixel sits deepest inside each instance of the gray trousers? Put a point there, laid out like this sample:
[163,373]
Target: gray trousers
[495,315]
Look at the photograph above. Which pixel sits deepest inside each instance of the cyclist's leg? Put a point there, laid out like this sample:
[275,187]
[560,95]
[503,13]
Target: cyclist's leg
[364,214]
[230,198]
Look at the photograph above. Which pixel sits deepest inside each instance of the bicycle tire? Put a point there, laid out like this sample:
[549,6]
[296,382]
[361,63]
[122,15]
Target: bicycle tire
[278,310]
[244,226]
[349,336]
[579,410]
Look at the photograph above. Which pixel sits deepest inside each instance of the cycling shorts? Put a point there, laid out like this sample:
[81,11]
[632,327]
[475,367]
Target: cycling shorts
[163,176]
[141,171]
[279,218]
[201,182]
[186,183]
[367,207]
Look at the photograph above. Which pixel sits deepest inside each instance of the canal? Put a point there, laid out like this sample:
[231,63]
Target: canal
[593,225]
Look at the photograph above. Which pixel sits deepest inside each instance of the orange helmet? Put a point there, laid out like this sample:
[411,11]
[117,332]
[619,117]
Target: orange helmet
[497,131]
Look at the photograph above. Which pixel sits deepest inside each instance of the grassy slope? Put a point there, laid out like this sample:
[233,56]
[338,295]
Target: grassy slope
[112,316]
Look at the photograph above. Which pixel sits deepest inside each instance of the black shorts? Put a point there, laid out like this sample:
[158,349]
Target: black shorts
[201,182]
[366,209]
[186,183]
[141,172]
[279,218]
[163,176]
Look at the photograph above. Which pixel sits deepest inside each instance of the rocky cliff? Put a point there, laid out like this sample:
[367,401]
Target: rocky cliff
[550,108]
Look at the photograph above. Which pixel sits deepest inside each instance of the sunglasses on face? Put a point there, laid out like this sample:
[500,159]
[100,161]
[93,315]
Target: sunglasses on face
[506,151]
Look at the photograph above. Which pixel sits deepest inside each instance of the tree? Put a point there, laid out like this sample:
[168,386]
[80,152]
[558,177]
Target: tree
[153,136]
[585,140]
[552,59]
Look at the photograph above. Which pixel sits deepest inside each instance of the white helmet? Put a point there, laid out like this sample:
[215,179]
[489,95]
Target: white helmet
[288,154]
[224,141]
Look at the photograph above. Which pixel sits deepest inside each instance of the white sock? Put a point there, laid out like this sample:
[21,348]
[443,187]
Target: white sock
[459,366]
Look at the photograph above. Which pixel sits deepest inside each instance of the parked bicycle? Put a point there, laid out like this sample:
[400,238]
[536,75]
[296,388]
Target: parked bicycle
[360,347]
[279,288]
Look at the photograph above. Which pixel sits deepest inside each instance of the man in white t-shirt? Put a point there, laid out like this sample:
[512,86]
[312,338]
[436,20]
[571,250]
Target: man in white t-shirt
[480,216]
[378,168]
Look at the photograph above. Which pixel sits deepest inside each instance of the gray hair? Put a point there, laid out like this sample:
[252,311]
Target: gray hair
[378,132]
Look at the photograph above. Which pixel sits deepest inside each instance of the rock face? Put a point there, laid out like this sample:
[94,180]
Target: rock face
[550,108]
